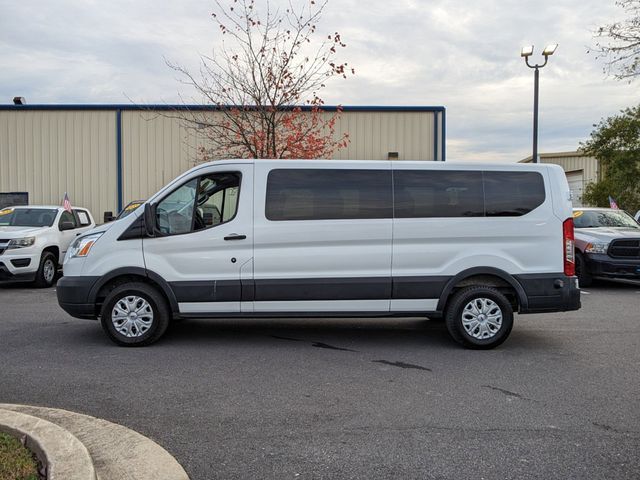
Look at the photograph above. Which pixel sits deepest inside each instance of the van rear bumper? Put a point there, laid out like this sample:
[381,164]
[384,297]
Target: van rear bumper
[73,296]
[549,293]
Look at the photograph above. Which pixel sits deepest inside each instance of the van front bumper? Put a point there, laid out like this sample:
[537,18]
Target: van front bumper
[73,296]
[549,293]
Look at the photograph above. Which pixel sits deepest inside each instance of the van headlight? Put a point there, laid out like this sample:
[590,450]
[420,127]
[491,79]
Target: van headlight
[21,242]
[597,247]
[82,246]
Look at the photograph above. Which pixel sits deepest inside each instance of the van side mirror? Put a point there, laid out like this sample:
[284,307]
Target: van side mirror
[108,217]
[150,219]
[67,225]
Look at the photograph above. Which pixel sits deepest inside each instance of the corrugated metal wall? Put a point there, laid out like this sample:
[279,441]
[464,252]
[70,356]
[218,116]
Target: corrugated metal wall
[47,153]
[580,171]
[47,150]
[156,147]
[573,163]
[374,134]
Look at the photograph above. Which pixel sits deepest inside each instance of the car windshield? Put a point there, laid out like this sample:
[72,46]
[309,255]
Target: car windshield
[27,217]
[129,209]
[603,218]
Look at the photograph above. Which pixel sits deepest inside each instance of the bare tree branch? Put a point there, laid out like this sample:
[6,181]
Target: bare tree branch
[618,43]
[269,63]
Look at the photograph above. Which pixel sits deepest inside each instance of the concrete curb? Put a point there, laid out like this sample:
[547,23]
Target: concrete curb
[117,452]
[64,455]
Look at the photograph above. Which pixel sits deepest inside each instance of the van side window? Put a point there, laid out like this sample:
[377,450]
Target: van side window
[328,194]
[200,203]
[217,199]
[429,193]
[512,194]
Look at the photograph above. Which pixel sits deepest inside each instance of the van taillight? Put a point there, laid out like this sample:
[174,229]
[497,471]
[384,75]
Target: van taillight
[568,241]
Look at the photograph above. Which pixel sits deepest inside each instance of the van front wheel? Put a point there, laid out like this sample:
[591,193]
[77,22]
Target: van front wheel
[479,317]
[134,315]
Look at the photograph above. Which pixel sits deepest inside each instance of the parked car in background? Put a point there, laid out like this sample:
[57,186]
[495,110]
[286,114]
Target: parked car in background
[607,244]
[128,209]
[34,241]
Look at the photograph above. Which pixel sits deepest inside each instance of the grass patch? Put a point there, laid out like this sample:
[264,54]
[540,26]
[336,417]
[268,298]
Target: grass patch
[16,461]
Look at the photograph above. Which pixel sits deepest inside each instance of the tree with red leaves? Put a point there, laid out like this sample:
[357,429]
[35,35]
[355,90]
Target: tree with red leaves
[264,84]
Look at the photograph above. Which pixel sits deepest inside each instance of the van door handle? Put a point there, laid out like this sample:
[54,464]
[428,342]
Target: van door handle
[235,236]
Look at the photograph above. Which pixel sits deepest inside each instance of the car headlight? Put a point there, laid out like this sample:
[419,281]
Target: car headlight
[82,246]
[21,242]
[597,247]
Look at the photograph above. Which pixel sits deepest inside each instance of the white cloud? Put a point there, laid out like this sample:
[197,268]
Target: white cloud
[455,53]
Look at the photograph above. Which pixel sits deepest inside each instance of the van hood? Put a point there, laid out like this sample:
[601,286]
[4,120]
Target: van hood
[99,229]
[605,234]
[20,232]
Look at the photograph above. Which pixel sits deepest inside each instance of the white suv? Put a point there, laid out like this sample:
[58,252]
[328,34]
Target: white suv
[34,240]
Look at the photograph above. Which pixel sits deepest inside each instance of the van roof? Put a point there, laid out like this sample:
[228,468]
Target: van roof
[424,163]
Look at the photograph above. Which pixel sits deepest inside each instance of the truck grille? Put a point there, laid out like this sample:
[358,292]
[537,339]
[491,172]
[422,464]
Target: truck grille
[3,245]
[625,248]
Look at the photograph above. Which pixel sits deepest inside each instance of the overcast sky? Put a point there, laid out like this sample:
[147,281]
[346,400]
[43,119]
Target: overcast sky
[456,53]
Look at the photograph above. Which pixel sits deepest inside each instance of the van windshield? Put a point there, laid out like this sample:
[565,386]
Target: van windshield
[27,217]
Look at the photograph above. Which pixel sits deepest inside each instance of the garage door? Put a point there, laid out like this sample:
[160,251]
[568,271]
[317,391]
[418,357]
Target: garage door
[576,185]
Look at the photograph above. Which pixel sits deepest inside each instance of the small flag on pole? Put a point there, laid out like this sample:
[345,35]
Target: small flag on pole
[66,203]
[612,203]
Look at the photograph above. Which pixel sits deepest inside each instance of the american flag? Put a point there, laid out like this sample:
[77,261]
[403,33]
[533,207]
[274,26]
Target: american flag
[612,203]
[66,203]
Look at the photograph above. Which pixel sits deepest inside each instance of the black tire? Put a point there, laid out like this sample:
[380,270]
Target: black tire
[44,279]
[456,309]
[157,305]
[585,279]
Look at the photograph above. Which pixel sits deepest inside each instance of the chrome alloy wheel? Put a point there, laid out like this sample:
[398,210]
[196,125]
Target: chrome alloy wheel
[48,270]
[482,318]
[132,316]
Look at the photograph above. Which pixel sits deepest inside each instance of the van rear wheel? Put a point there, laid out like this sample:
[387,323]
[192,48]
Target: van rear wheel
[479,317]
[134,315]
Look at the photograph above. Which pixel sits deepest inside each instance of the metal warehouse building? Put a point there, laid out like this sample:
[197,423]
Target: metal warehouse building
[107,155]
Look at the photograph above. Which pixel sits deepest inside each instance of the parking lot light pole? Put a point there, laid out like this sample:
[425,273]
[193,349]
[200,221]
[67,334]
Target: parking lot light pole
[526,53]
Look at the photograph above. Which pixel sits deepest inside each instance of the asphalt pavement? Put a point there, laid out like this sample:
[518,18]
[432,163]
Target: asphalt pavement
[349,398]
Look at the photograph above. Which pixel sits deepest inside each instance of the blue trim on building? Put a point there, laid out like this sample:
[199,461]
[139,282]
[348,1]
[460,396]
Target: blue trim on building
[435,136]
[165,107]
[444,135]
[119,158]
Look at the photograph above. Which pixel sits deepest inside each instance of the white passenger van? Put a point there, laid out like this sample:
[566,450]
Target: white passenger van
[472,243]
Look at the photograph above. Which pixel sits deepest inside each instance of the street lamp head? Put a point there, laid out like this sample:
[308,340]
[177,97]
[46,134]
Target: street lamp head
[549,49]
[526,51]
